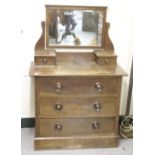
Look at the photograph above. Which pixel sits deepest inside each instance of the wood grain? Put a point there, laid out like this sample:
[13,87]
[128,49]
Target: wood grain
[67,88]
[74,127]
[77,107]
[45,60]
[81,69]
[46,86]
[96,141]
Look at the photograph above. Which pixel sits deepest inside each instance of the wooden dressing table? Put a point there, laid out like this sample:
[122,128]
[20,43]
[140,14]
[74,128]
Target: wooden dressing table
[77,88]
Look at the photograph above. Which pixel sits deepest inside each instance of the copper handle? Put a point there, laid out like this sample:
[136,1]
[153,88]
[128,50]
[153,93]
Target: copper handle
[97,106]
[95,125]
[59,87]
[44,60]
[98,86]
[58,106]
[58,127]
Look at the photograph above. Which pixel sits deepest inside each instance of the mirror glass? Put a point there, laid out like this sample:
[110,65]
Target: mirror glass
[68,27]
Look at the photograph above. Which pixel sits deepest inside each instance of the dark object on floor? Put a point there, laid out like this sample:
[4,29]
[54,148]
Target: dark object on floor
[126,127]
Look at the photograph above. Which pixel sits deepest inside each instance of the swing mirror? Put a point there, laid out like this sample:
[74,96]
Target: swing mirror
[75,26]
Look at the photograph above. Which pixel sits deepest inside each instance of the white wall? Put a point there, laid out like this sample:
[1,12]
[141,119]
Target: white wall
[33,12]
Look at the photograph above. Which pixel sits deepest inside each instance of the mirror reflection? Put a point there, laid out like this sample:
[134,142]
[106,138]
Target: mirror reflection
[75,27]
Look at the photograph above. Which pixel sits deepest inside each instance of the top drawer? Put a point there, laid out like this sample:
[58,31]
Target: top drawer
[51,86]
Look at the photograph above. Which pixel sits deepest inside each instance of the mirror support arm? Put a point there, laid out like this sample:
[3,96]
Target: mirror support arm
[108,45]
[41,42]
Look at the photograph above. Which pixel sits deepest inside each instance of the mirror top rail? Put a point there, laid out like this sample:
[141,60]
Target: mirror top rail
[75,7]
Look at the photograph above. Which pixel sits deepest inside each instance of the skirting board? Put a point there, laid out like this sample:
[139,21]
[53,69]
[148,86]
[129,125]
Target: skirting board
[28,122]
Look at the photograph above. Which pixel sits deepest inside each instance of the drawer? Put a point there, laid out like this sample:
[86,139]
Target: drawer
[73,107]
[45,60]
[106,61]
[51,86]
[73,127]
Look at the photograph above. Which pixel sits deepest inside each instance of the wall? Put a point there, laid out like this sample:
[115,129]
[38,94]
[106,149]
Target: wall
[33,12]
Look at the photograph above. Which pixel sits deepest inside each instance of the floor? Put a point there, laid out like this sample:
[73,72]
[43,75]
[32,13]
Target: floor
[27,135]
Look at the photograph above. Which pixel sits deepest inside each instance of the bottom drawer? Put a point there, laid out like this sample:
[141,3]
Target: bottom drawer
[69,127]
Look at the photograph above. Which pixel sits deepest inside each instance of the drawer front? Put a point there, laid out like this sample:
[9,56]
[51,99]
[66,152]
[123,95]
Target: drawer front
[72,127]
[69,107]
[51,86]
[106,61]
[44,61]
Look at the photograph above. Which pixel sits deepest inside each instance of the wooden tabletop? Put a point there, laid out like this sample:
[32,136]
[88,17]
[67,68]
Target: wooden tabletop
[85,69]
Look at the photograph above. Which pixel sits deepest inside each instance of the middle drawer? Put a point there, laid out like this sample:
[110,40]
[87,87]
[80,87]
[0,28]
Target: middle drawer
[69,107]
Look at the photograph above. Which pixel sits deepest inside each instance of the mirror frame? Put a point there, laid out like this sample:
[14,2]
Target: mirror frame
[51,7]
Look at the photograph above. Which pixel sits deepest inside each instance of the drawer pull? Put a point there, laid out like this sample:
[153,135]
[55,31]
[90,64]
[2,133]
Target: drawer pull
[95,125]
[58,127]
[58,106]
[59,87]
[44,60]
[98,86]
[106,61]
[97,106]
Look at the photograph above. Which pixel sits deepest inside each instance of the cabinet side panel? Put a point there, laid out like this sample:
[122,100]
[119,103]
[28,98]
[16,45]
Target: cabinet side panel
[36,109]
[118,105]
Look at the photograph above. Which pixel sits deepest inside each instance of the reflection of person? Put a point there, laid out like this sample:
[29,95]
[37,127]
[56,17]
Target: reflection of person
[69,22]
